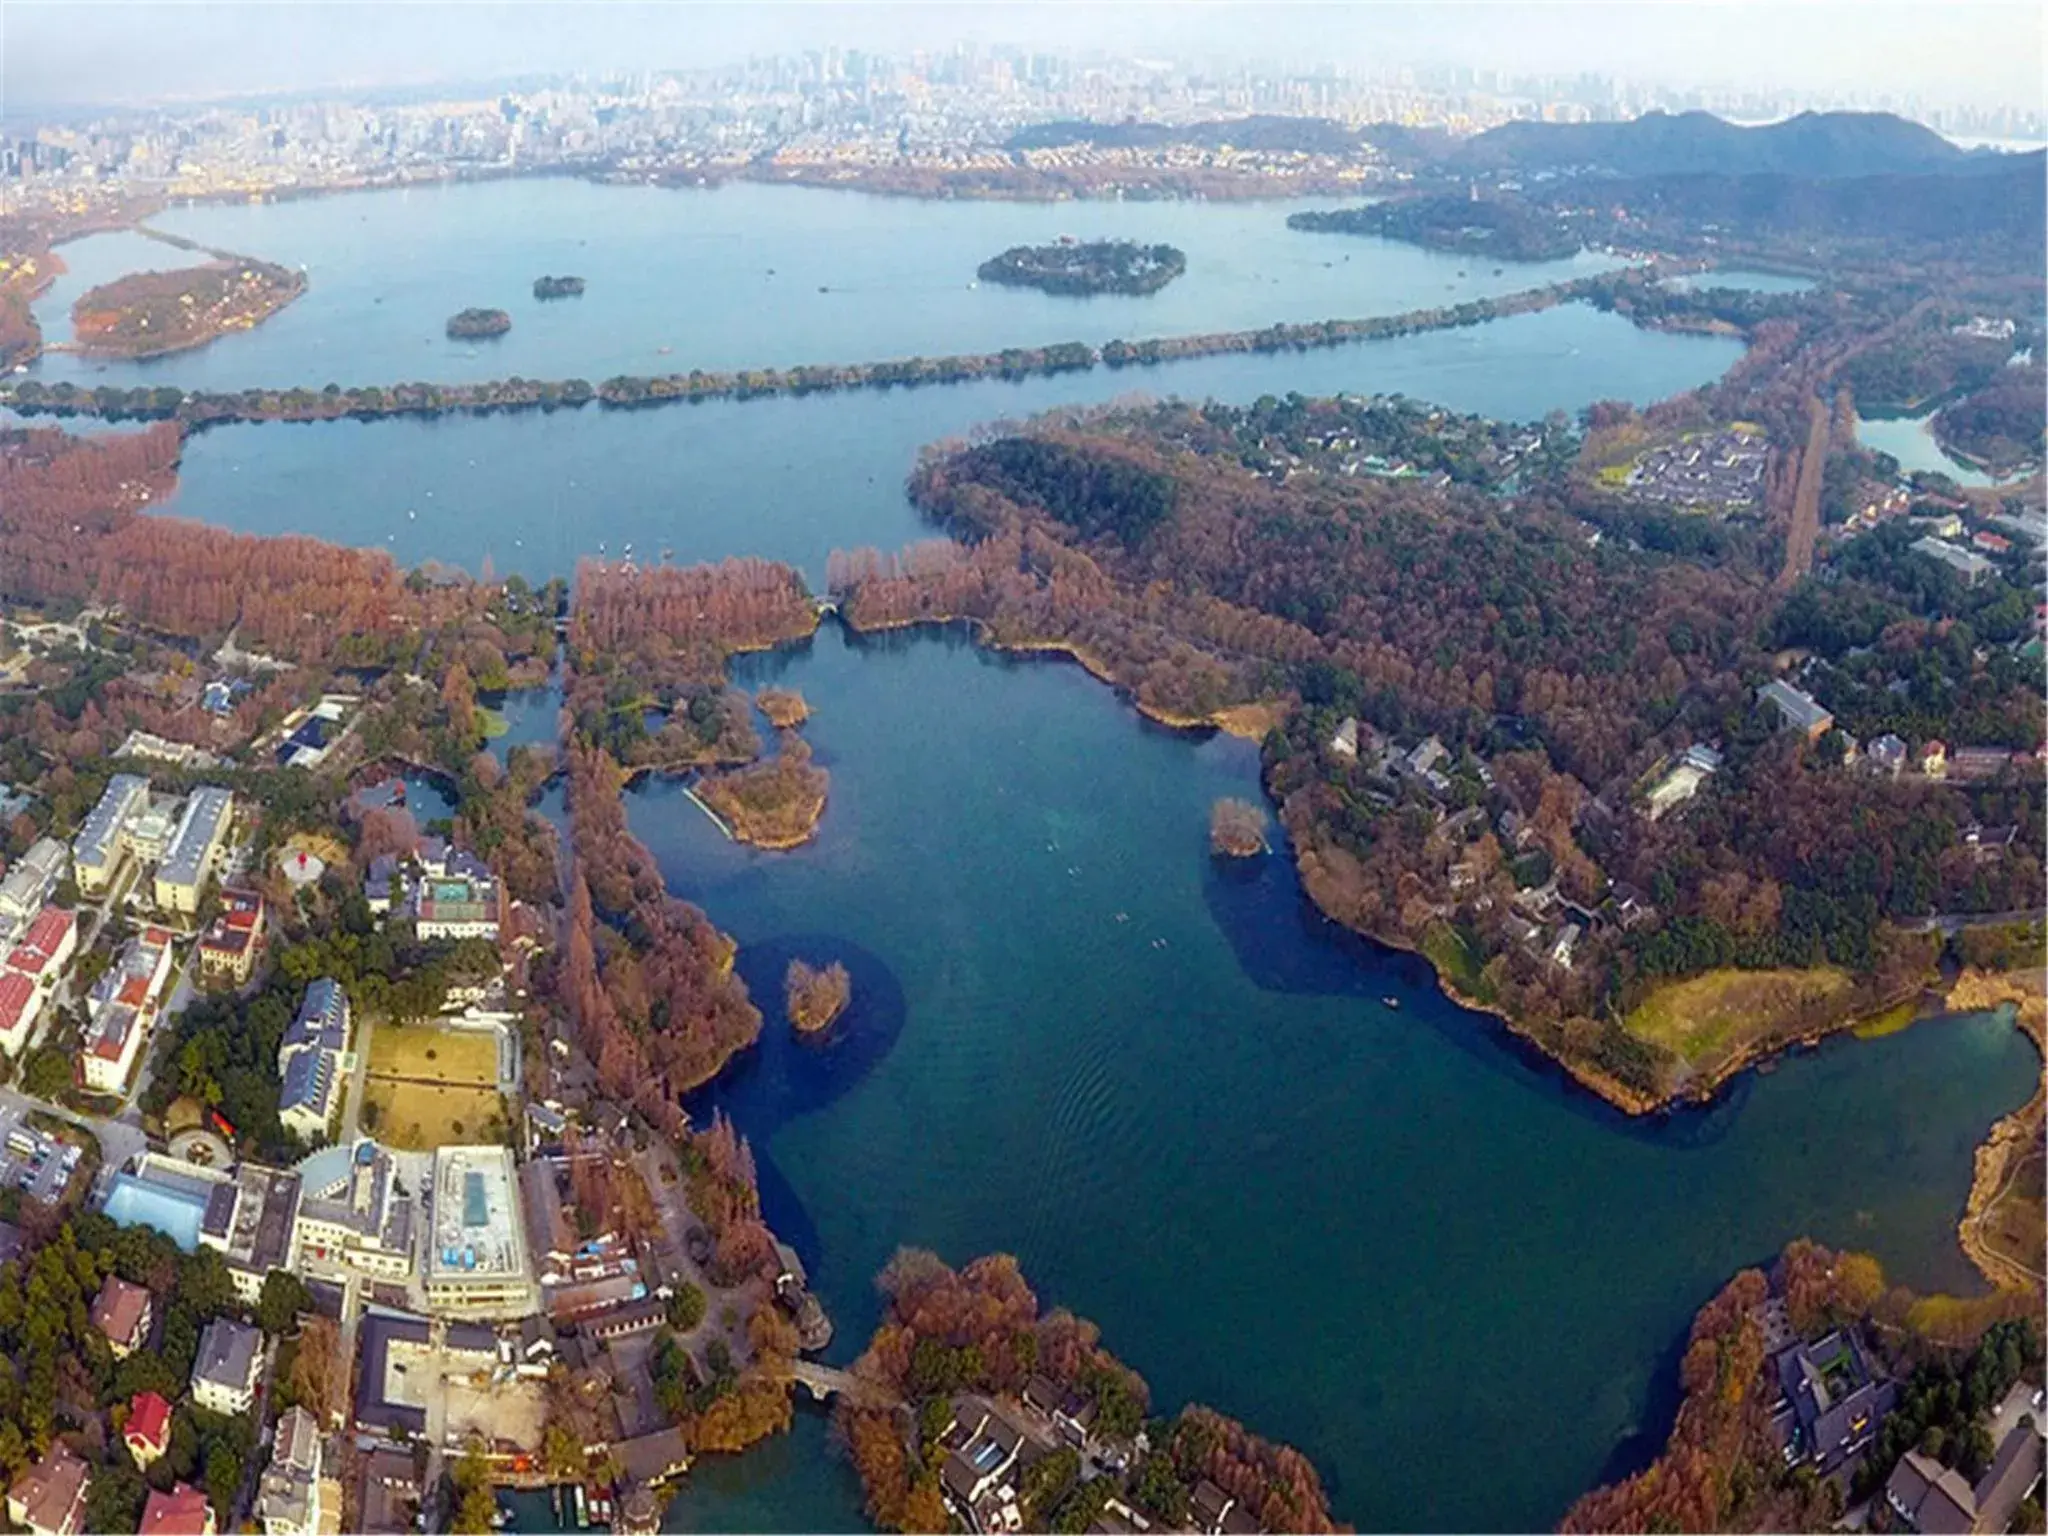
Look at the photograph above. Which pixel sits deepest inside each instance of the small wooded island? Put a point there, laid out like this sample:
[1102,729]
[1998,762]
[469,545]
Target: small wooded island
[147,314]
[1509,229]
[1237,829]
[771,804]
[557,287]
[472,324]
[1087,267]
[814,997]
[785,707]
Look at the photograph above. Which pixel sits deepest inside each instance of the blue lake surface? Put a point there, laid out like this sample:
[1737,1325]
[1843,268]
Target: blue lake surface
[793,478]
[731,277]
[1175,1093]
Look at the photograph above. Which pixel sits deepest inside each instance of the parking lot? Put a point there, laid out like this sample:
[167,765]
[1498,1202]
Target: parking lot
[32,1162]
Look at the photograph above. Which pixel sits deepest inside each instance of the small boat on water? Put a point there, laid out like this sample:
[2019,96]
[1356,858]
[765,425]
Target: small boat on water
[582,1509]
[1391,1001]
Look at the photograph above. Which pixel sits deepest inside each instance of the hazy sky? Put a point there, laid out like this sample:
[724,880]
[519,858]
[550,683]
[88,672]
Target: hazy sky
[1943,51]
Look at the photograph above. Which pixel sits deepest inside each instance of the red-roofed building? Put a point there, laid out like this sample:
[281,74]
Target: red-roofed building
[181,1512]
[49,942]
[49,1498]
[228,949]
[122,1311]
[1992,543]
[21,1004]
[148,1434]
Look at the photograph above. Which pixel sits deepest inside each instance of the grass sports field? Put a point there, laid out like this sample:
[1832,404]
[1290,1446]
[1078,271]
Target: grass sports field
[417,1117]
[444,1055]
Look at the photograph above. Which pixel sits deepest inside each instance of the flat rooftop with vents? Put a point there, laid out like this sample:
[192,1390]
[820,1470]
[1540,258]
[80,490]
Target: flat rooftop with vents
[477,1259]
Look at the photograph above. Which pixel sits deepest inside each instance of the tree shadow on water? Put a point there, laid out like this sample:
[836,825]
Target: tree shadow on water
[786,1075]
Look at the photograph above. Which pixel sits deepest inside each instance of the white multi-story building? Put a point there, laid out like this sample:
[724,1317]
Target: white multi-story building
[124,1006]
[309,1060]
[195,849]
[352,1212]
[31,882]
[288,1498]
[225,1373]
[477,1263]
[100,850]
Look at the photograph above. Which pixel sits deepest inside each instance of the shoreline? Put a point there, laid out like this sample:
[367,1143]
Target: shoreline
[2004,1150]
[1246,721]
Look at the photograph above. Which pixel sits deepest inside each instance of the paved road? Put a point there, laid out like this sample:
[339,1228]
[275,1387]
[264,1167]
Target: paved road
[1804,531]
[119,1139]
[352,1092]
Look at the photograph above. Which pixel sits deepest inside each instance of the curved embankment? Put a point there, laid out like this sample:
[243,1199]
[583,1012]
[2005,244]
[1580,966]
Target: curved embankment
[2002,1224]
[203,408]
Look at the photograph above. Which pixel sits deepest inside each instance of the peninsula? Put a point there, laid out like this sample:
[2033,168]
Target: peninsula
[1508,231]
[1081,268]
[557,287]
[1925,1408]
[474,324]
[150,314]
[1228,539]
[1022,1420]
[775,804]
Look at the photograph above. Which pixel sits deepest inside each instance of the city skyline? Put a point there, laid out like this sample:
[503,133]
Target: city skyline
[1923,60]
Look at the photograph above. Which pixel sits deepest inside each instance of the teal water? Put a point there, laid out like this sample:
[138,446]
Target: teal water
[790,479]
[1390,1237]
[744,276]
[1911,440]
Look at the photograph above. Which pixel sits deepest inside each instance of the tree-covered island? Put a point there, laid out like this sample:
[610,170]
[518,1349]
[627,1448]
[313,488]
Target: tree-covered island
[474,324]
[1509,230]
[1081,268]
[148,314]
[557,287]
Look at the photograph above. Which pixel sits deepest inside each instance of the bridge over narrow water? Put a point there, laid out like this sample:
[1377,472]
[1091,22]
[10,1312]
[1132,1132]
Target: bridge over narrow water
[825,1381]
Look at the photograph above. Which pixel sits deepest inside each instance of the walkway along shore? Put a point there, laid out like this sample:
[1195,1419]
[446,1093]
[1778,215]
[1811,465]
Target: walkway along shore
[201,408]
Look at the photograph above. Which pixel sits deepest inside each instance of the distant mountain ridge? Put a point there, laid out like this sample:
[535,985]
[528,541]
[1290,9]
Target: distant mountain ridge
[1813,144]
[1820,145]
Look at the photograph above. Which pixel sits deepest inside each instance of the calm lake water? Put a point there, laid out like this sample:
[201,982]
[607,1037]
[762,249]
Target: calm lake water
[733,277]
[791,478]
[1911,440]
[1387,1236]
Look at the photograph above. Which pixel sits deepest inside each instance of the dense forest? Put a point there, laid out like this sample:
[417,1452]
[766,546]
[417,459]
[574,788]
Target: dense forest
[980,1329]
[65,1381]
[1921,365]
[1721,1468]
[1506,229]
[648,648]
[1555,669]
[647,980]
[72,532]
[1999,424]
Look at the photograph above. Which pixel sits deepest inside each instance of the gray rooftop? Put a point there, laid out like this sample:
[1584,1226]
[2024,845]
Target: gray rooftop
[228,1352]
[95,841]
[206,816]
